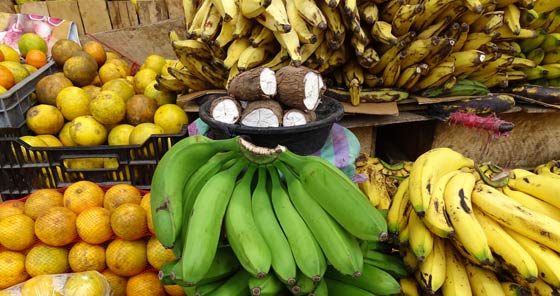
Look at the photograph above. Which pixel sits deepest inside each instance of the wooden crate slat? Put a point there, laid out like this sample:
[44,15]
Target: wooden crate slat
[67,10]
[95,16]
[151,11]
[122,14]
[7,6]
[36,8]
[175,8]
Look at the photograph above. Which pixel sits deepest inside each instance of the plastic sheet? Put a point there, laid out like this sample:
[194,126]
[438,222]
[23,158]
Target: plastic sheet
[87,283]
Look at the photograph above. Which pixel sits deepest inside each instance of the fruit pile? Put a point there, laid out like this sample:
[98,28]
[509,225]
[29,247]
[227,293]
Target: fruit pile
[246,220]
[83,227]
[477,229]
[410,45]
[95,100]
[15,65]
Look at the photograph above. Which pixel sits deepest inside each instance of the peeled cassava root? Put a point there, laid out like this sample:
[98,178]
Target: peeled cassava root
[295,117]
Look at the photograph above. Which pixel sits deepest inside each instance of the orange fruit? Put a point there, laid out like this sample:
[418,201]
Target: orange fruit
[83,257]
[12,269]
[81,69]
[128,221]
[63,49]
[44,259]
[126,258]
[29,41]
[121,87]
[41,200]
[171,118]
[50,140]
[11,207]
[83,194]
[143,78]
[94,225]
[143,131]
[119,194]
[111,71]
[44,284]
[64,135]
[157,254]
[125,67]
[85,130]
[116,282]
[7,79]
[56,227]
[119,134]
[72,102]
[36,58]
[16,232]
[44,119]
[174,290]
[145,203]
[96,50]
[87,283]
[108,107]
[146,283]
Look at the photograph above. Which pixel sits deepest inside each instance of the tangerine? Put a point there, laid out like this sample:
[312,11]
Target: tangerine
[36,58]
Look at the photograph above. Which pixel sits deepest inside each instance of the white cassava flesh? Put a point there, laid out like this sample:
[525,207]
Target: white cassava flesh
[262,117]
[294,119]
[267,80]
[226,111]
[313,85]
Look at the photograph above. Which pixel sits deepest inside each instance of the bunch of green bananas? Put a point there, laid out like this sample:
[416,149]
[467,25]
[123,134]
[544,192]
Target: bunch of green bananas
[244,218]
[470,229]
[364,45]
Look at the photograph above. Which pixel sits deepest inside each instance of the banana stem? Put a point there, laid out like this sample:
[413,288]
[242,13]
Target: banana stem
[259,155]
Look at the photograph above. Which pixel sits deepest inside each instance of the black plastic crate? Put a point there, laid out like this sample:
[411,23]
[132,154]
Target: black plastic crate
[18,99]
[25,168]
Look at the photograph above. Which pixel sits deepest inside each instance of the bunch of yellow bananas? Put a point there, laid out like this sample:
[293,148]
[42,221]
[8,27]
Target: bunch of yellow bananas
[411,45]
[469,229]
[382,178]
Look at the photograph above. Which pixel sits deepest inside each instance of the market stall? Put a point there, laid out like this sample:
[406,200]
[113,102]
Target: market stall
[280,147]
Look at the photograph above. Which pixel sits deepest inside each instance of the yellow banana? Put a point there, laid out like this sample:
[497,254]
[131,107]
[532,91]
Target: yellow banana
[251,57]
[398,208]
[435,28]
[467,61]
[299,24]
[514,215]
[456,278]
[275,17]
[333,19]
[234,51]
[420,239]
[477,39]
[197,23]
[545,258]
[253,8]
[488,22]
[354,79]
[409,286]
[512,18]
[483,281]
[431,272]
[211,24]
[404,18]
[189,11]
[382,32]
[290,41]
[392,71]
[409,76]
[468,230]
[541,186]
[309,10]
[243,26]
[369,12]
[436,218]
[225,36]
[543,6]
[437,76]
[228,9]
[262,36]
[501,243]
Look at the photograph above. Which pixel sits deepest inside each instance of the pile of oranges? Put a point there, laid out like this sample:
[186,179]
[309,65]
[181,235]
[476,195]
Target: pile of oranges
[84,227]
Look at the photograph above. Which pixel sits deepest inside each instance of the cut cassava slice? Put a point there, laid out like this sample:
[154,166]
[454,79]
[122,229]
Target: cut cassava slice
[253,85]
[225,109]
[263,113]
[299,87]
[295,117]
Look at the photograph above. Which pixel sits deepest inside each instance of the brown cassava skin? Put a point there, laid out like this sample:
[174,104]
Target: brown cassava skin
[216,101]
[291,86]
[267,104]
[246,87]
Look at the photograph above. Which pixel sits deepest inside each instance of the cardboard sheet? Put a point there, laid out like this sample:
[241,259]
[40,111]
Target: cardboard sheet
[389,108]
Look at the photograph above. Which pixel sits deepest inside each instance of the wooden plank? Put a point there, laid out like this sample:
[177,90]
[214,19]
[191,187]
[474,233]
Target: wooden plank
[67,10]
[136,43]
[174,8]
[8,6]
[122,14]
[36,8]
[534,140]
[95,16]
[151,11]
[367,140]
